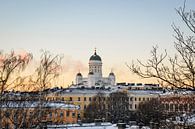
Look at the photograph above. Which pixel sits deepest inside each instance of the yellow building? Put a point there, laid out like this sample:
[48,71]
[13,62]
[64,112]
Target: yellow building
[29,114]
[79,97]
[82,97]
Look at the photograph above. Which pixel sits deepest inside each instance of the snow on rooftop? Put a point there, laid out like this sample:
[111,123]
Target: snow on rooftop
[34,104]
[145,92]
[93,126]
[187,92]
[77,91]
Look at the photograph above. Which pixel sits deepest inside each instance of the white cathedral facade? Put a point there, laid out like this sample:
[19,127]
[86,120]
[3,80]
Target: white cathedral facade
[95,77]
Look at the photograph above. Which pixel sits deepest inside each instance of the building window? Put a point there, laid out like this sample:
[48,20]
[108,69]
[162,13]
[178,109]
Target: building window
[171,107]
[135,106]
[70,98]
[167,107]
[139,99]
[89,98]
[131,99]
[56,114]
[61,114]
[85,99]
[85,106]
[180,107]
[78,115]
[148,99]
[135,99]
[67,113]
[143,99]
[50,115]
[79,99]
[130,106]
[185,107]
[176,107]
[73,115]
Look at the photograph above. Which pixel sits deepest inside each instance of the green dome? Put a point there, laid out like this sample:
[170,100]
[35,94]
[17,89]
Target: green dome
[95,57]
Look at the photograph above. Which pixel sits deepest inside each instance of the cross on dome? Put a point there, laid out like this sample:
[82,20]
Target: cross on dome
[95,51]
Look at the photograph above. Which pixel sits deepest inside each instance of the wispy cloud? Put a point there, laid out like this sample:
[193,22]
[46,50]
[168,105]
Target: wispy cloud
[71,65]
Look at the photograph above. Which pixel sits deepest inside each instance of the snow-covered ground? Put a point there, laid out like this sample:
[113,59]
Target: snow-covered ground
[92,126]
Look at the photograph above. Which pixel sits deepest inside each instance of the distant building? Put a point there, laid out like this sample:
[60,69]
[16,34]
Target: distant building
[180,103]
[25,114]
[79,97]
[140,96]
[95,77]
[82,97]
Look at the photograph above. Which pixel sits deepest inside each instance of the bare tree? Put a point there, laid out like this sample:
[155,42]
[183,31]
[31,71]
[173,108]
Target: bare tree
[26,109]
[113,108]
[150,111]
[11,64]
[48,69]
[177,71]
[96,109]
[118,107]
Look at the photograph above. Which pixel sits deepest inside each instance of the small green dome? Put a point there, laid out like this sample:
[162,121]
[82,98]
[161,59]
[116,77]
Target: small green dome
[79,74]
[111,74]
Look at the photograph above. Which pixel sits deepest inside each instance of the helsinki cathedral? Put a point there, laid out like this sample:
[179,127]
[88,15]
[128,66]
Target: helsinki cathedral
[95,77]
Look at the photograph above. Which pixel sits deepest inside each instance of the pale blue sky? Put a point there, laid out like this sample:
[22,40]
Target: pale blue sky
[122,30]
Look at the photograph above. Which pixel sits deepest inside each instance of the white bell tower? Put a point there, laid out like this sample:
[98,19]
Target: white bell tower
[95,65]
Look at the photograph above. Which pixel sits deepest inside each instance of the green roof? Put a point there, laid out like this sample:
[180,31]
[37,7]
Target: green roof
[95,57]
